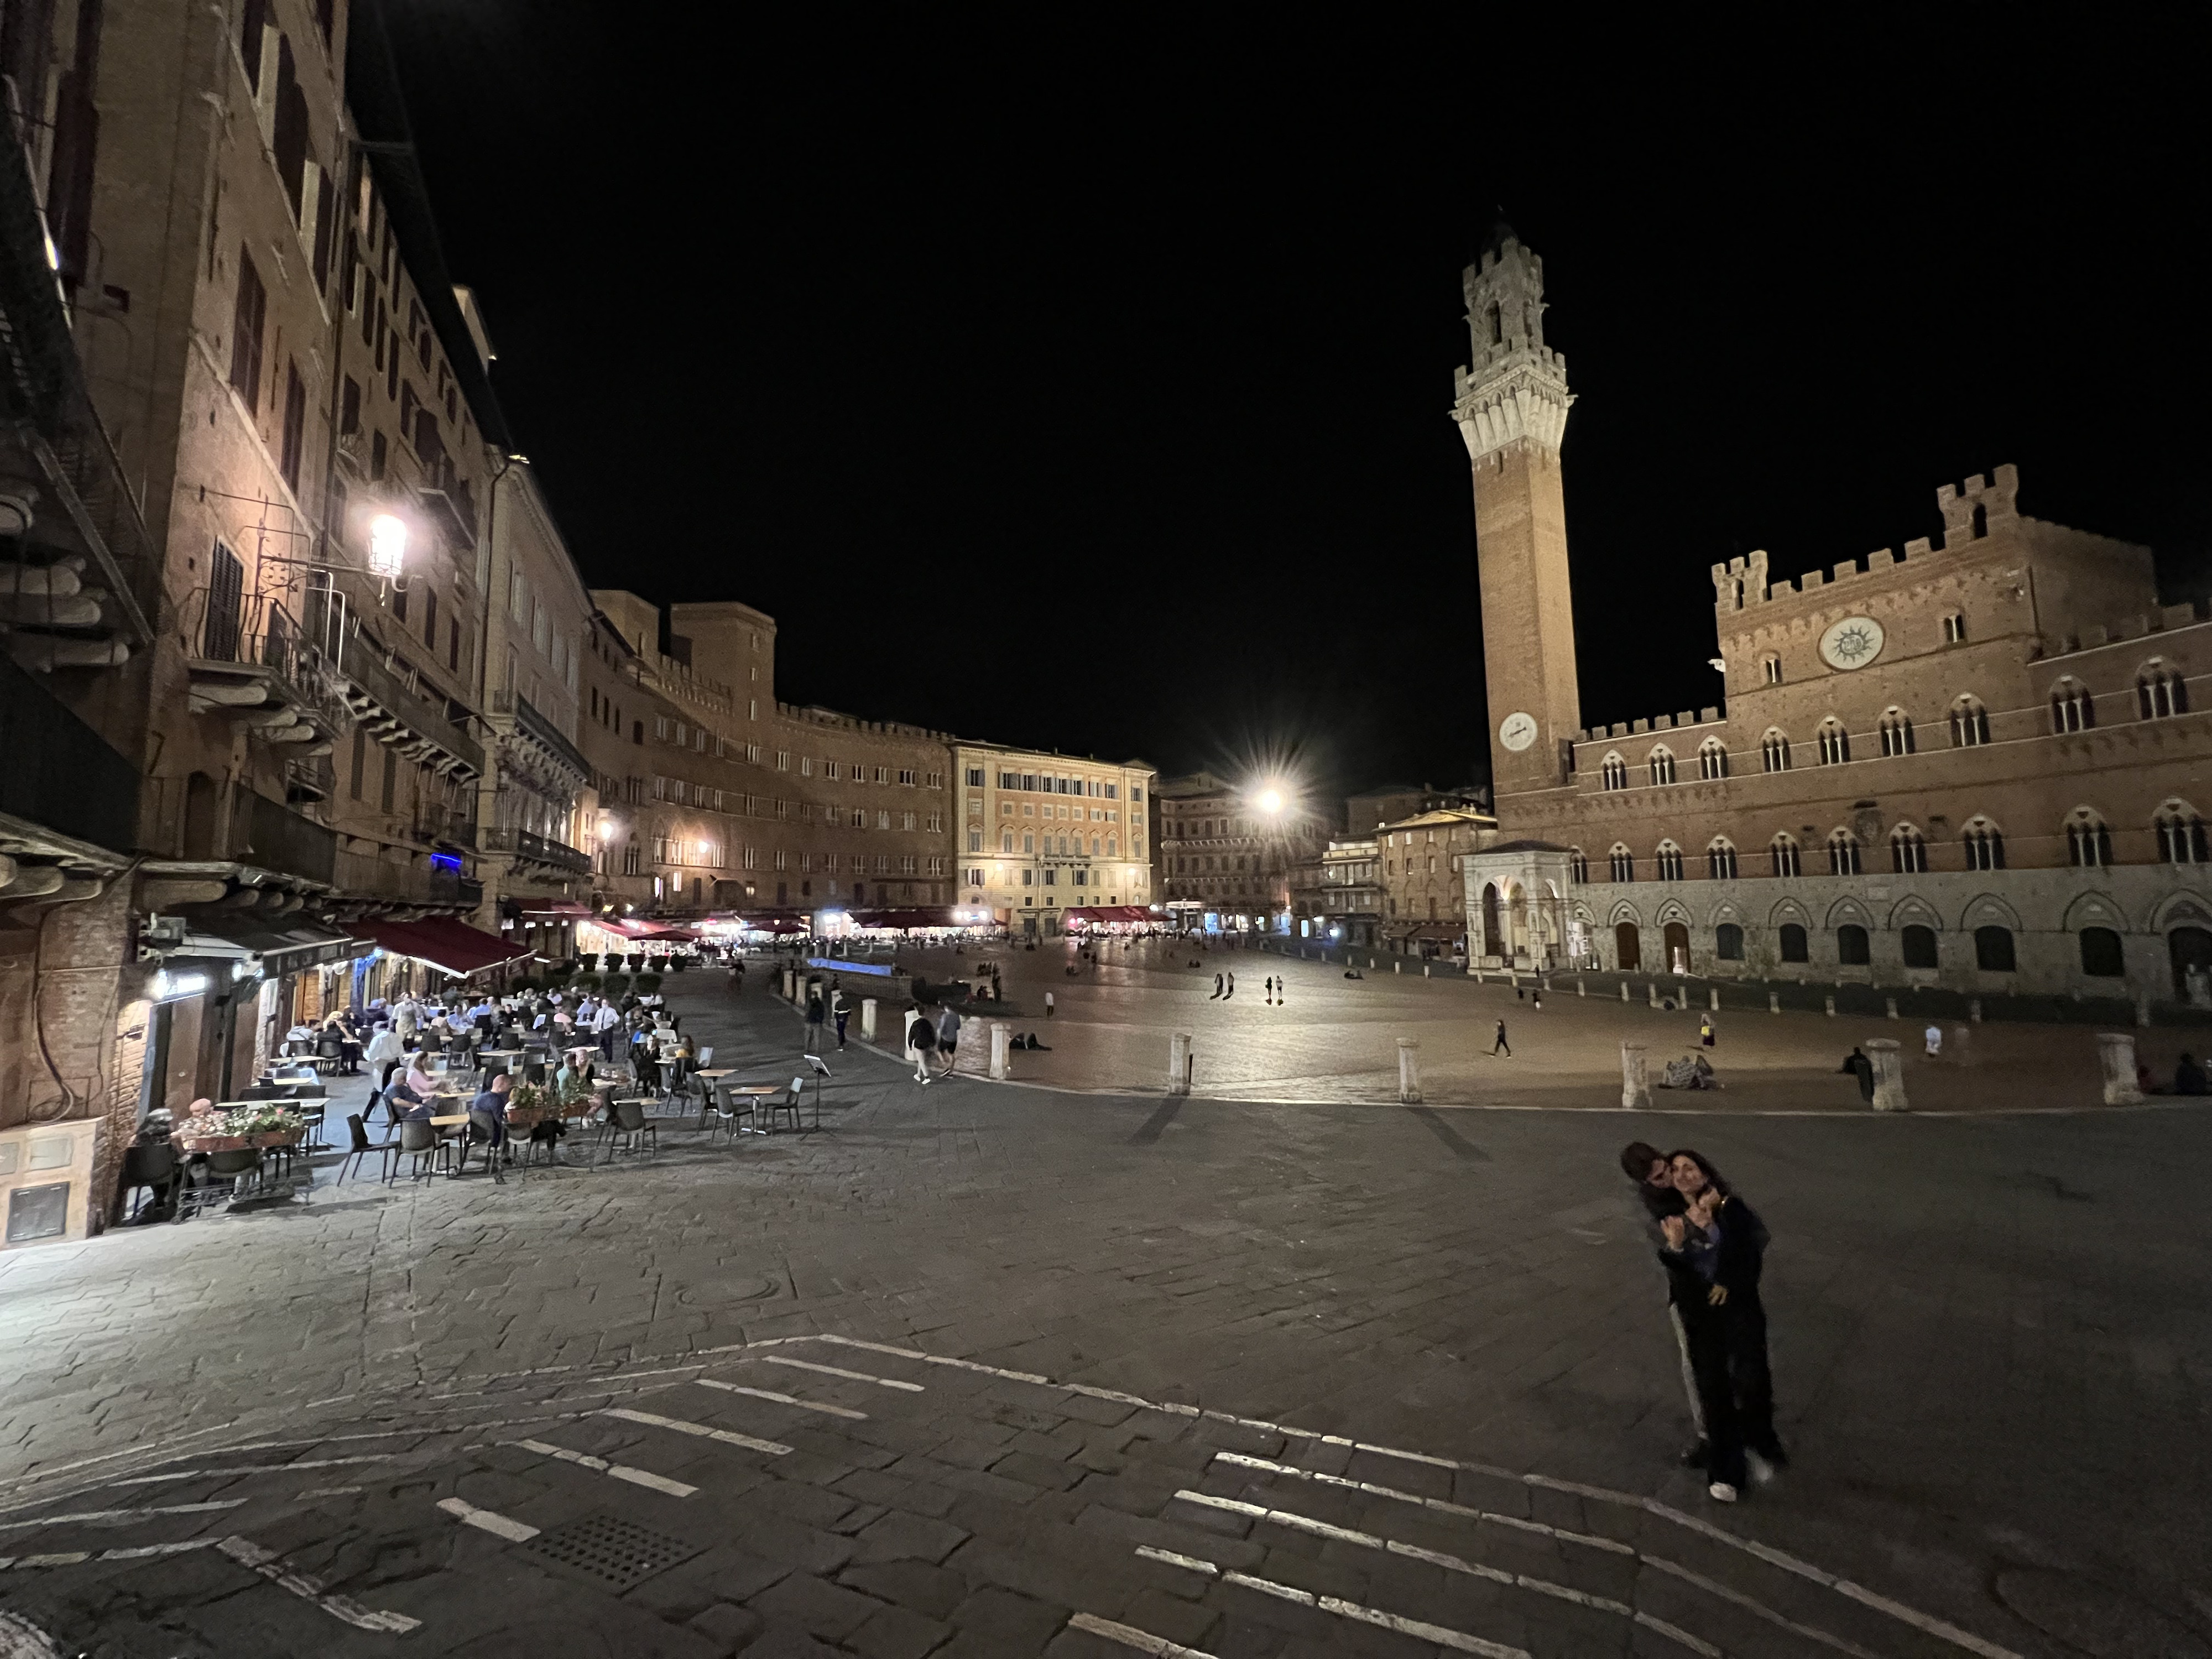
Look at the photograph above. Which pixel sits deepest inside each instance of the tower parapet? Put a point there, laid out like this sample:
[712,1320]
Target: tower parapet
[1514,388]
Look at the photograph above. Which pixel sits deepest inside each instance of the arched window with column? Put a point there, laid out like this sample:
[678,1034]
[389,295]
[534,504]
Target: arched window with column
[2181,837]
[1662,764]
[1896,732]
[1577,866]
[1712,759]
[2088,840]
[2072,707]
[1720,858]
[1624,863]
[1774,750]
[1970,723]
[1835,742]
[1782,851]
[1908,851]
[1669,857]
[1984,843]
[1843,853]
[1613,772]
[2160,690]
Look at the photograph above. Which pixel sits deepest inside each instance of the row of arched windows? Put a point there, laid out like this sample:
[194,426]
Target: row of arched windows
[2182,839]
[2161,690]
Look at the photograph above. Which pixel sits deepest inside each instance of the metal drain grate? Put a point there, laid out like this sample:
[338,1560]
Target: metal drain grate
[611,1551]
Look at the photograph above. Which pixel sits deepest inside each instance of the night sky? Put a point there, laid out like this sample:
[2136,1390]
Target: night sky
[1085,384]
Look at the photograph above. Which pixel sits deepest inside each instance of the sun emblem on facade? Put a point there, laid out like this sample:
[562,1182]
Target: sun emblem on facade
[1851,643]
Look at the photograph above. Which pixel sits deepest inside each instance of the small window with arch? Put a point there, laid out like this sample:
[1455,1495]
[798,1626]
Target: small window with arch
[2160,690]
[1908,851]
[1774,751]
[1771,666]
[2088,840]
[1970,723]
[1669,857]
[1712,759]
[1843,853]
[2181,836]
[1896,733]
[2072,706]
[1783,853]
[1614,773]
[1577,867]
[1720,859]
[1662,765]
[1624,863]
[1835,742]
[1984,843]
[1955,627]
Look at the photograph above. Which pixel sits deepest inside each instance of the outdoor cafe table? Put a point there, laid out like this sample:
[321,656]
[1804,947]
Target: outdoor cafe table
[752,1092]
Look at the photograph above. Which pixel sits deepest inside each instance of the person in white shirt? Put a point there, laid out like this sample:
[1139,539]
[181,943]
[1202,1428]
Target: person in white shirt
[1935,1038]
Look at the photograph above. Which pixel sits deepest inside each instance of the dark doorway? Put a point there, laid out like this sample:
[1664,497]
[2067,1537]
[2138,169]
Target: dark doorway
[1993,952]
[1919,946]
[1628,946]
[1493,944]
[2101,956]
[1728,942]
[1678,948]
[2189,948]
[1852,946]
[1793,943]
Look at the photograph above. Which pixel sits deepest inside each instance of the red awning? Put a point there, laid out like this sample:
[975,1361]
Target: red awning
[564,908]
[630,928]
[775,924]
[444,943]
[1096,914]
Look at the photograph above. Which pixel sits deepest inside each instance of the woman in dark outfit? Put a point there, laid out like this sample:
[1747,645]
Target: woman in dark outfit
[1716,1249]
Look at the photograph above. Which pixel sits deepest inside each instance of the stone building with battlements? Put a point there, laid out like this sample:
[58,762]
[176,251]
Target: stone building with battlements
[1980,761]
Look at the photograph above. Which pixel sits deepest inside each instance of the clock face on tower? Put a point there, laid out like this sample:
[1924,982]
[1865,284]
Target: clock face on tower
[1517,731]
[1851,643]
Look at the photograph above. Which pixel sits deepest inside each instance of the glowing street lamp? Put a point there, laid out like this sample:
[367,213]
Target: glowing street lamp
[1271,802]
[387,546]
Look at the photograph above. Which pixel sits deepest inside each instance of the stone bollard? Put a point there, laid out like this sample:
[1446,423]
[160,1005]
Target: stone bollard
[1634,1076]
[999,1046]
[1831,1007]
[1652,989]
[1544,982]
[1888,1074]
[1397,964]
[2116,1050]
[1515,979]
[1713,994]
[1425,970]
[1580,988]
[2143,1012]
[1180,1061]
[1624,990]
[867,1020]
[1974,1011]
[790,981]
[1774,1002]
[1890,1003]
[1961,1046]
[1409,1071]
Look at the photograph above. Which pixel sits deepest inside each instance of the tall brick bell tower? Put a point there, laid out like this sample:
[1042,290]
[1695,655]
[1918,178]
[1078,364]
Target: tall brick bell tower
[1511,407]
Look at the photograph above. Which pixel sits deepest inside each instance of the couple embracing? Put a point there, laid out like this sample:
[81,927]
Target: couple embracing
[1713,1245]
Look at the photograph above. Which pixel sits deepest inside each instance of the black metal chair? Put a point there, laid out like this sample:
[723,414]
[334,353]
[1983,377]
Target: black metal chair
[491,1133]
[362,1148]
[150,1168]
[228,1175]
[787,1102]
[628,1127]
[330,1052]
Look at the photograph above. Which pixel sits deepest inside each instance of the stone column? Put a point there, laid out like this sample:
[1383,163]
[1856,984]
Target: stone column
[998,1049]
[1409,1071]
[1653,989]
[1888,1074]
[1624,990]
[1425,970]
[1179,1063]
[2116,1050]
[868,1020]
[1634,1076]
[1713,998]
[1831,1007]
[1890,1003]
[1397,964]
[1774,1002]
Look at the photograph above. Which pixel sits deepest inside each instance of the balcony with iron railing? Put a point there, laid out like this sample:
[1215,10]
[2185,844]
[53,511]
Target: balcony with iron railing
[524,844]
[513,712]
[249,661]
[393,698]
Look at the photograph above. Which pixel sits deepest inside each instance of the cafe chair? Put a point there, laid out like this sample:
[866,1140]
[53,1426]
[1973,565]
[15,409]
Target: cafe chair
[148,1168]
[422,1142]
[225,1175]
[362,1148]
[628,1129]
[727,1109]
[787,1102]
[486,1128]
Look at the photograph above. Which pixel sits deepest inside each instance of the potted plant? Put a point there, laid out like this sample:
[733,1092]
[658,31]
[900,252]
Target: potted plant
[648,984]
[587,982]
[615,985]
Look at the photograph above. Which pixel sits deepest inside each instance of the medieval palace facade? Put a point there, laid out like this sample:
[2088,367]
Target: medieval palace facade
[1980,763]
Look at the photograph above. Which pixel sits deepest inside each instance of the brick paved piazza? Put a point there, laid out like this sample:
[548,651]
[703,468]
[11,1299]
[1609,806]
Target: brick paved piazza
[990,1370]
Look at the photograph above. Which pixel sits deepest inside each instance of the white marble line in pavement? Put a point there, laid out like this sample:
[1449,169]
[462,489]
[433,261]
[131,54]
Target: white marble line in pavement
[619,1471]
[1926,1623]
[784,1399]
[1591,1541]
[1130,1636]
[254,1469]
[487,1521]
[837,1370]
[119,1517]
[1454,1563]
[74,1558]
[1458,1640]
[247,1553]
[728,1437]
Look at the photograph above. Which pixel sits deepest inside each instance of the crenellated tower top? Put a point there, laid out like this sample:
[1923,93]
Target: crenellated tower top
[1514,387]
